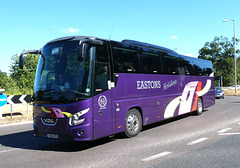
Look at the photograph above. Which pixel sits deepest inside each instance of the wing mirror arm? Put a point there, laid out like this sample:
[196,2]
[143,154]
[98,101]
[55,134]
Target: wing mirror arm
[84,46]
[23,56]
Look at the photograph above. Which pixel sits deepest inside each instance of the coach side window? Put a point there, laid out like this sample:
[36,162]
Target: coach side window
[207,68]
[101,53]
[170,64]
[151,62]
[185,66]
[197,67]
[125,59]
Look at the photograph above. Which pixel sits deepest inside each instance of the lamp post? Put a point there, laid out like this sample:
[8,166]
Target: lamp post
[235,69]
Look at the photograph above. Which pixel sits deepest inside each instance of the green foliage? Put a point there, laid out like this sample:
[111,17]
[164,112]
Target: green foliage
[24,78]
[4,79]
[8,84]
[221,52]
[20,81]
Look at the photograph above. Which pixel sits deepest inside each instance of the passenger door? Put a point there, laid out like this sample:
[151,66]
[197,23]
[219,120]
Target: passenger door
[102,111]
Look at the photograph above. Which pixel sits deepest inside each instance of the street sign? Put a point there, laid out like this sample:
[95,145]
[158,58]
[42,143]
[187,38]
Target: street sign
[3,99]
[19,99]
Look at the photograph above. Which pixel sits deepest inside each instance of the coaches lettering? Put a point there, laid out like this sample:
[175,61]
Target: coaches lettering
[148,84]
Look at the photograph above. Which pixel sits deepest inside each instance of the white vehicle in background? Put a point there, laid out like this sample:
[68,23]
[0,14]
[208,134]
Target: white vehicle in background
[233,87]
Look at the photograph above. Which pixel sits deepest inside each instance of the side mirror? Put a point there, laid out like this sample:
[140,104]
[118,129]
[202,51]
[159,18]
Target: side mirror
[23,56]
[84,46]
[82,51]
[22,59]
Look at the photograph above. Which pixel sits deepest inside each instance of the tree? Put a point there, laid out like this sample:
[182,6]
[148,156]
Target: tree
[238,70]
[24,78]
[221,52]
[8,84]
[3,79]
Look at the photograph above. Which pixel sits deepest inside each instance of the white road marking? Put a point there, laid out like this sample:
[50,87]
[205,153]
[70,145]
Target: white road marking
[238,123]
[234,133]
[197,141]
[13,149]
[224,130]
[20,123]
[156,156]
[9,150]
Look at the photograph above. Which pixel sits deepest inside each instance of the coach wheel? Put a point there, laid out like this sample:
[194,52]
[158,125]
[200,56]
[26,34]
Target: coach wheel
[199,106]
[133,123]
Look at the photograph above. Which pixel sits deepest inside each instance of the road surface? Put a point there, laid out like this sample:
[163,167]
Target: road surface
[209,140]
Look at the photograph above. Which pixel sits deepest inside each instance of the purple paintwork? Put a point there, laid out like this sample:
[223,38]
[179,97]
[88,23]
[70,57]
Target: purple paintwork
[152,100]
[62,126]
[151,94]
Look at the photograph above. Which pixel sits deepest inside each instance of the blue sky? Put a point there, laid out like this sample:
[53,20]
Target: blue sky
[181,25]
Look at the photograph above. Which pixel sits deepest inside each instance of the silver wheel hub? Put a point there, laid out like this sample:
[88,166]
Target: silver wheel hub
[200,107]
[132,123]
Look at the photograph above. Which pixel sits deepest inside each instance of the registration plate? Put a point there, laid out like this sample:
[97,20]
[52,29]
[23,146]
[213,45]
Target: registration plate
[53,136]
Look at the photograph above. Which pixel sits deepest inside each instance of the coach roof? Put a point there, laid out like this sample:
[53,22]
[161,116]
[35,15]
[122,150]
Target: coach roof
[142,44]
[132,42]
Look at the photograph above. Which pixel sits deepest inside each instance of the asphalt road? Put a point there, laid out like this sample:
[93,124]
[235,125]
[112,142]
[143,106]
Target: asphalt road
[209,140]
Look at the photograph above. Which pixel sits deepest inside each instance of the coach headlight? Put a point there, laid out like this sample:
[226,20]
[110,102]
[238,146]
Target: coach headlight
[76,118]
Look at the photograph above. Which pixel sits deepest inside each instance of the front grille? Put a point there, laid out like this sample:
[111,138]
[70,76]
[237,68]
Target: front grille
[49,121]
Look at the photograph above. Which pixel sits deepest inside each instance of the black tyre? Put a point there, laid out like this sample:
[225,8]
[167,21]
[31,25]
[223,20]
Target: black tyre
[133,123]
[199,107]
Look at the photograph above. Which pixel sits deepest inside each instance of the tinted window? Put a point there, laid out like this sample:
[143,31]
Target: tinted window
[101,77]
[185,67]
[194,66]
[101,53]
[170,64]
[151,60]
[125,58]
[207,68]
[60,77]
[197,67]
[102,73]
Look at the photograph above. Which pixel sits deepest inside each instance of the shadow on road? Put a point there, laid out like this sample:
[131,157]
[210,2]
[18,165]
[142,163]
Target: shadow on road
[26,140]
[150,126]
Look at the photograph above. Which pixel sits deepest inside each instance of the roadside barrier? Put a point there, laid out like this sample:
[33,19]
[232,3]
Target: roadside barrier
[18,99]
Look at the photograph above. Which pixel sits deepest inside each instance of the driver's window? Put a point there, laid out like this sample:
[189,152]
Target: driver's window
[101,77]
